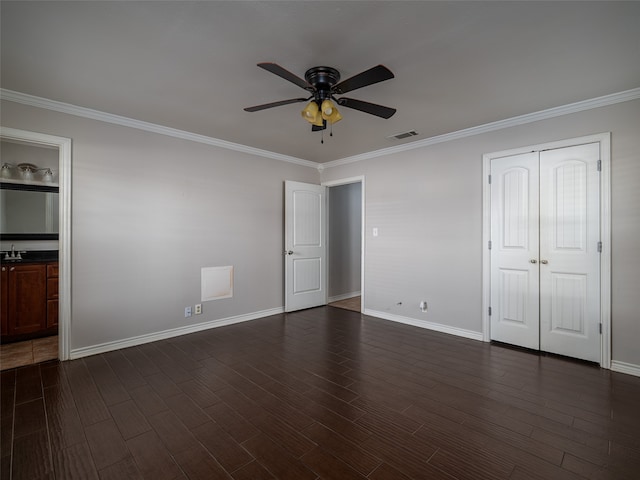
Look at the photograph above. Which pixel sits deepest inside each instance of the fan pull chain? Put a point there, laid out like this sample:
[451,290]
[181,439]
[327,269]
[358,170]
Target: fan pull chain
[322,136]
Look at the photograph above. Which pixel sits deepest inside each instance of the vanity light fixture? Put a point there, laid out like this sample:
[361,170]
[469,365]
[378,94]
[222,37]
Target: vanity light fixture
[26,171]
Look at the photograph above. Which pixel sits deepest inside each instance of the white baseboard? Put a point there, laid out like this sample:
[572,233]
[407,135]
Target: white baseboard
[623,367]
[438,327]
[343,296]
[174,332]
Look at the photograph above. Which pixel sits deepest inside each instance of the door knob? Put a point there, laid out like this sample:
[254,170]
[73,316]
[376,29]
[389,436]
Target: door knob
[533,260]
[289,252]
[544,262]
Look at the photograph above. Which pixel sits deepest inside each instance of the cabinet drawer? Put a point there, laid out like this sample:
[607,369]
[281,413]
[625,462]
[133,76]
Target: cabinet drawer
[52,270]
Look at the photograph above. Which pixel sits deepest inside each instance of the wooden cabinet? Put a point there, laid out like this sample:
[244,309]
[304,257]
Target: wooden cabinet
[52,295]
[4,310]
[29,300]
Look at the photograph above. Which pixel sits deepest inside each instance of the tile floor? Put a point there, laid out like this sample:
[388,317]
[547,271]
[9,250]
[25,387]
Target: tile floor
[19,354]
[352,304]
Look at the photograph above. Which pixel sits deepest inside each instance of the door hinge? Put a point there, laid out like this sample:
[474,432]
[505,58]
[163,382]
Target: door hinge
[489,179]
[600,328]
[599,165]
[489,244]
[599,247]
[489,311]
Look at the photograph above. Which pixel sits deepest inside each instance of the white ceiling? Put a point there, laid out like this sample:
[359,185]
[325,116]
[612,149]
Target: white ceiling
[192,65]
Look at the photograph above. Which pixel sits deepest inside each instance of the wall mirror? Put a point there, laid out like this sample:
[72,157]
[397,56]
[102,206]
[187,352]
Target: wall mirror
[28,212]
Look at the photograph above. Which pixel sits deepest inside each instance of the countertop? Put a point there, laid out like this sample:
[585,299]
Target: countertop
[32,256]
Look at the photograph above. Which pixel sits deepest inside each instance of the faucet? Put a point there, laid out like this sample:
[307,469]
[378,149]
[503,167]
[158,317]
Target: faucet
[13,255]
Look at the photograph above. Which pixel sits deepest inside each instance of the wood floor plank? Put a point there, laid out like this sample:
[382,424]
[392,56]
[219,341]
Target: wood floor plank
[152,458]
[92,409]
[106,444]
[277,460]
[329,467]
[106,380]
[222,446]
[75,462]
[231,422]
[342,448]
[29,417]
[197,464]
[252,471]
[126,468]
[129,419]
[147,400]
[31,456]
[173,433]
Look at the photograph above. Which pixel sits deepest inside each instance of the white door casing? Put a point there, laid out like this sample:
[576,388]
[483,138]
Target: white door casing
[569,239]
[574,224]
[64,238]
[305,246]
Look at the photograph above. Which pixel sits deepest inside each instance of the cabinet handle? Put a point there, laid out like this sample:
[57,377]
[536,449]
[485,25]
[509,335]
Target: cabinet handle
[544,262]
[533,260]
[4,269]
[12,269]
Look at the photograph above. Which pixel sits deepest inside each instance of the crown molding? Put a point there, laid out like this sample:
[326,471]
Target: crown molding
[45,103]
[606,100]
[40,102]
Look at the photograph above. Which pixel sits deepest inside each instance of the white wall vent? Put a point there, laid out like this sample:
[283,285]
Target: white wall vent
[403,135]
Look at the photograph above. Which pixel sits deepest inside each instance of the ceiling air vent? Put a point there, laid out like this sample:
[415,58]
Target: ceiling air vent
[403,135]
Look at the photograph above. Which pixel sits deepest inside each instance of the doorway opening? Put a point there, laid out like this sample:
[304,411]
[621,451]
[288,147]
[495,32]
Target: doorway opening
[346,243]
[61,268]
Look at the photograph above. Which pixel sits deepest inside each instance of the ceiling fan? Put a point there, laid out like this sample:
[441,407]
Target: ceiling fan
[323,83]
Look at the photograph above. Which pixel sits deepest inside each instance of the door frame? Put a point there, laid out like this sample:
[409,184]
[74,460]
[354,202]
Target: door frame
[345,181]
[604,139]
[64,236]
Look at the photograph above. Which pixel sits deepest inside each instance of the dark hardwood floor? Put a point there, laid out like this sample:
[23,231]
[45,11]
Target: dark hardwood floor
[319,394]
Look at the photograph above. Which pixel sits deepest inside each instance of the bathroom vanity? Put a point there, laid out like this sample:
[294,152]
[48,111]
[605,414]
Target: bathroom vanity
[29,304]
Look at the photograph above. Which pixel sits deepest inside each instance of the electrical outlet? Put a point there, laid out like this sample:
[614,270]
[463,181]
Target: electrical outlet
[198,309]
[187,312]
[423,306]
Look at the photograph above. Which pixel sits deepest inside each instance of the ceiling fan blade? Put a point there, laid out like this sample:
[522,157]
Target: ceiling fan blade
[372,108]
[376,74]
[257,108]
[286,74]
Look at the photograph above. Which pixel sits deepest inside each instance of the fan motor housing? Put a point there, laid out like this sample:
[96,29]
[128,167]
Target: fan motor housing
[322,78]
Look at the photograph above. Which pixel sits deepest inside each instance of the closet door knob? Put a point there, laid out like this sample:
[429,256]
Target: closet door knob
[544,262]
[533,260]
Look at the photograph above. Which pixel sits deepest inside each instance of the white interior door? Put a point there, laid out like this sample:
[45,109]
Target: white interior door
[305,246]
[515,317]
[569,257]
[545,263]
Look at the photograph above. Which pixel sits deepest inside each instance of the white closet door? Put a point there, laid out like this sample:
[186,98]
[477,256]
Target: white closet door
[569,258]
[514,250]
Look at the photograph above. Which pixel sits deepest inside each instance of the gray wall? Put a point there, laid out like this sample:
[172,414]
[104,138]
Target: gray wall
[428,209]
[345,232]
[148,211]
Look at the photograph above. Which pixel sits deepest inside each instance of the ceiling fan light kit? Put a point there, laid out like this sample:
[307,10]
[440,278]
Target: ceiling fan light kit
[323,83]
